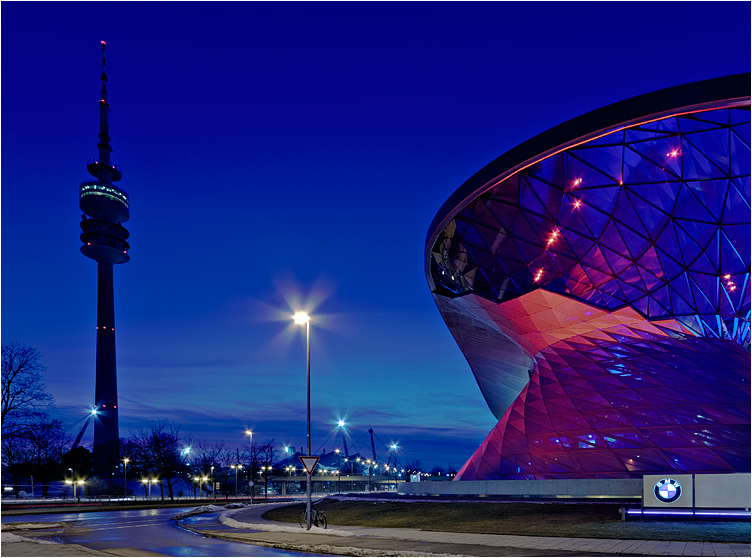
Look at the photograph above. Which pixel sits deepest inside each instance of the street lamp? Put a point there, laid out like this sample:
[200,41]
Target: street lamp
[148,482]
[125,476]
[237,468]
[300,319]
[250,433]
[339,471]
[76,484]
[214,496]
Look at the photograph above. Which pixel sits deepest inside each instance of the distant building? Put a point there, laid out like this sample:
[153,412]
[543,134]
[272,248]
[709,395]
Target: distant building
[597,279]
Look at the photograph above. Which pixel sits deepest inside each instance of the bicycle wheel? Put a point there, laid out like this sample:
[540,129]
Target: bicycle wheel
[303,522]
[322,520]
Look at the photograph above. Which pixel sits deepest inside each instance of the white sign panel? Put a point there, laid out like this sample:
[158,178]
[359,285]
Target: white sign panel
[667,491]
[722,490]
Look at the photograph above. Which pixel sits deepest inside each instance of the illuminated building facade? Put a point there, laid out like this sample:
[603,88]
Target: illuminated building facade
[596,278]
[105,207]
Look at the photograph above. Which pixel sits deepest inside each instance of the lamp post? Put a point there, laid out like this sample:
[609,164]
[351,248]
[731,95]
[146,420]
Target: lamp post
[303,318]
[125,476]
[198,485]
[339,472]
[76,484]
[237,468]
[148,483]
[250,433]
[214,496]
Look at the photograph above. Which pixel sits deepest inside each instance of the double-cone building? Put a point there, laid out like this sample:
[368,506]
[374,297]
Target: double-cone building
[597,279]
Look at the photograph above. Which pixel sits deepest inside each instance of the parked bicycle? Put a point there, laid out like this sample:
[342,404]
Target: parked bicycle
[318,518]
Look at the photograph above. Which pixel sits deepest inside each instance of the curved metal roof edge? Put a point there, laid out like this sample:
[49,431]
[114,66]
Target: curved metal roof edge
[736,86]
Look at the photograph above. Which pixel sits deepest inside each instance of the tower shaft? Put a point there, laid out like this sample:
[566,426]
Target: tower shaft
[106,435]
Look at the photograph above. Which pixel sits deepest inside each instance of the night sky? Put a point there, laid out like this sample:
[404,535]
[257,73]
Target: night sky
[289,156]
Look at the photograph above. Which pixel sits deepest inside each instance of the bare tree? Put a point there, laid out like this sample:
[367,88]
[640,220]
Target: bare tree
[158,448]
[24,399]
[208,458]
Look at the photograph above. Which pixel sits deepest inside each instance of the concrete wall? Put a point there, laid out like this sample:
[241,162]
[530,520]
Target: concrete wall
[554,488]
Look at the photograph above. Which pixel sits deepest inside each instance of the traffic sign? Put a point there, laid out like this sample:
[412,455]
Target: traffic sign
[309,462]
[250,484]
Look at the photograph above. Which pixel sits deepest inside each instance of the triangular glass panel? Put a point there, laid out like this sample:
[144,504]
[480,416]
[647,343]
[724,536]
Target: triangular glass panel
[689,124]
[507,190]
[581,175]
[711,194]
[549,196]
[737,209]
[714,144]
[662,152]
[607,159]
[689,207]
[636,244]
[739,115]
[638,170]
[549,170]
[668,246]
[595,220]
[523,230]
[528,199]
[503,212]
[680,306]
[651,218]
[717,116]
[610,238]
[705,291]
[616,262]
[695,165]
[731,260]
[740,152]
[664,125]
[662,195]
[482,215]
[569,216]
[703,265]
[595,259]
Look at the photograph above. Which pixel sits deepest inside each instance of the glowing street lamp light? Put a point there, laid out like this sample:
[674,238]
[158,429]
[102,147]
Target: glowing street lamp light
[300,319]
[76,484]
[148,483]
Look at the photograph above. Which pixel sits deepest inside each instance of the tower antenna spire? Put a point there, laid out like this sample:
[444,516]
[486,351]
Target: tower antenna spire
[104,110]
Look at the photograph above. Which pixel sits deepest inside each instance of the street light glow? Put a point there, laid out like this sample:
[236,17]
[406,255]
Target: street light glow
[340,423]
[301,318]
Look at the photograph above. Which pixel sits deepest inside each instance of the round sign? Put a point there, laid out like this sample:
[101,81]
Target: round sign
[667,490]
[250,484]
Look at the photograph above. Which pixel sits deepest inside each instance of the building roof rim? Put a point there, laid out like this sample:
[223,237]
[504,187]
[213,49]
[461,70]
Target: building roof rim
[731,90]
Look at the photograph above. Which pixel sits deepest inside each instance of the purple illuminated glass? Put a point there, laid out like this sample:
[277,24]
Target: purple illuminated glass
[649,224]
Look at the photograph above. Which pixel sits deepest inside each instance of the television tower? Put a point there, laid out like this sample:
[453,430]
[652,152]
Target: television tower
[105,207]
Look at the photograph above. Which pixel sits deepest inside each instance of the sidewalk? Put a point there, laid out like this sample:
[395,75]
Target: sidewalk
[247,525]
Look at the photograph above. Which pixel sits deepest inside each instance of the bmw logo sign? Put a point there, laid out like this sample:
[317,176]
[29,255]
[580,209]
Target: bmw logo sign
[667,490]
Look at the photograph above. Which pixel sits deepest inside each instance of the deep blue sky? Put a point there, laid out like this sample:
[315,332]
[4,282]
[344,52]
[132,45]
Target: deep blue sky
[290,153]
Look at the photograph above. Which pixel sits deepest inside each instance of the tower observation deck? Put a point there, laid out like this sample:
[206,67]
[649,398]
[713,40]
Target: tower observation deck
[105,207]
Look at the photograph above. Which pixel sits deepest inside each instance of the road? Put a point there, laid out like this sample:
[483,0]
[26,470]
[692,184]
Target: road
[146,533]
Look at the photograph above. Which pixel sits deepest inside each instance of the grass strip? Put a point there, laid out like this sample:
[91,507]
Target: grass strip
[548,520]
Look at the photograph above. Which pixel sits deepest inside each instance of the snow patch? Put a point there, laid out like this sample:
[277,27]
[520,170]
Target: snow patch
[18,526]
[11,538]
[208,509]
[225,519]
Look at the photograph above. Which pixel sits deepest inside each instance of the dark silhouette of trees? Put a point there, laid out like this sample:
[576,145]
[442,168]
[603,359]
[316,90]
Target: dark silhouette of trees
[24,399]
[157,449]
